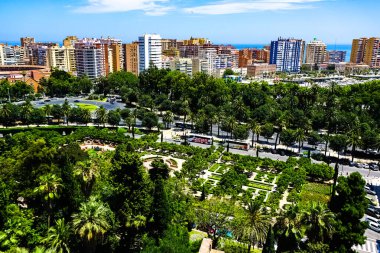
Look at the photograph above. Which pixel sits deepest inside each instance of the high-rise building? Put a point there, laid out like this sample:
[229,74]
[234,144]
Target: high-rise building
[13,55]
[62,58]
[357,50]
[189,51]
[131,57]
[150,51]
[70,41]
[113,54]
[196,41]
[168,44]
[316,52]
[367,51]
[25,41]
[183,65]
[372,53]
[335,56]
[287,54]
[38,54]
[89,55]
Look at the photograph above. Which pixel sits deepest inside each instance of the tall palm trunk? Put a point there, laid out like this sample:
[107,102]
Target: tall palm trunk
[275,142]
[352,152]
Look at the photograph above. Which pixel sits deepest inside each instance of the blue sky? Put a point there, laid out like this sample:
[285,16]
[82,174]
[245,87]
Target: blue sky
[222,21]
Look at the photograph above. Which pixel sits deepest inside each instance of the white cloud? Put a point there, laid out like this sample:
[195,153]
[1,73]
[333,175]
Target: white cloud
[150,7]
[234,7]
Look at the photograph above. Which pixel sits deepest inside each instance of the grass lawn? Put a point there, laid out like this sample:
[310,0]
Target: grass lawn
[87,106]
[260,186]
[214,167]
[216,177]
[315,192]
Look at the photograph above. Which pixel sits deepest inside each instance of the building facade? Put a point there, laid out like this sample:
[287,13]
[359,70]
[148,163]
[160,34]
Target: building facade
[183,65]
[316,52]
[150,51]
[90,58]
[131,57]
[69,41]
[335,56]
[367,51]
[287,54]
[261,70]
[62,58]
[357,50]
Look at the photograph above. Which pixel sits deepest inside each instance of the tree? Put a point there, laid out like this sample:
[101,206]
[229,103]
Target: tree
[149,120]
[101,116]
[168,118]
[267,130]
[85,116]
[213,217]
[256,223]
[300,137]
[58,239]
[88,171]
[241,132]
[57,112]
[349,206]
[318,220]
[49,187]
[92,222]
[354,140]
[114,118]
[338,143]
[269,242]
[26,112]
[66,110]
[288,137]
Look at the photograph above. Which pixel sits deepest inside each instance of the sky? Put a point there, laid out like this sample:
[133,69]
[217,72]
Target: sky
[222,21]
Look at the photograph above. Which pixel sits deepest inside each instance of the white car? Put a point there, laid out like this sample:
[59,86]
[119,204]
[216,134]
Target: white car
[372,219]
[374,226]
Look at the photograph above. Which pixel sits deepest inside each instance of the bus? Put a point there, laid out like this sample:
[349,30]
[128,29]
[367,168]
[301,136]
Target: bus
[235,144]
[202,139]
[181,125]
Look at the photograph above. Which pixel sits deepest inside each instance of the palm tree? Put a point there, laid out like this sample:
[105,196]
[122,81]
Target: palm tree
[26,112]
[88,171]
[256,224]
[66,110]
[318,220]
[281,124]
[300,137]
[290,226]
[49,186]
[58,238]
[47,111]
[168,118]
[86,116]
[5,113]
[354,140]
[101,115]
[256,129]
[92,222]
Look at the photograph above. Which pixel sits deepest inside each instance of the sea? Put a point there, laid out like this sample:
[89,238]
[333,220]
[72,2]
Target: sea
[339,47]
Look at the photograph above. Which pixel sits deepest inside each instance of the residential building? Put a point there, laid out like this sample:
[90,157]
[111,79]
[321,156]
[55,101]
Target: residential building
[261,70]
[113,54]
[316,52]
[13,55]
[70,41]
[62,58]
[150,51]
[200,65]
[189,51]
[25,41]
[248,56]
[209,54]
[196,41]
[90,58]
[183,65]
[131,57]
[372,53]
[287,54]
[38,54]
[357,50]
[168,44]
[335,56]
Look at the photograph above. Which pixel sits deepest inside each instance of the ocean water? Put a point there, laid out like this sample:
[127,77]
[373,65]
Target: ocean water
[342,47]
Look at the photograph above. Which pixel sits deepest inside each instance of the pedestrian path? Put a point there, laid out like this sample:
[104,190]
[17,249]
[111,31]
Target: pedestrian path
[370,246]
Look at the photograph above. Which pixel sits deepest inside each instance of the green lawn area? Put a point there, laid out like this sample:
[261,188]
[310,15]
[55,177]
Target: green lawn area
[87,106]
[315,192]
[216,177]
[214,167]
[260,186]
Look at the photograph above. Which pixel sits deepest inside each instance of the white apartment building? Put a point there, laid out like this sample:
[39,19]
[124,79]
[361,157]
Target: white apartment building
[89,55]
[150,51]
[210,56]
[13,55]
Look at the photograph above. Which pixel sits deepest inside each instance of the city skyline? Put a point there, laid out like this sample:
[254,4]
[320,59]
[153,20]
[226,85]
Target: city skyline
[234,22]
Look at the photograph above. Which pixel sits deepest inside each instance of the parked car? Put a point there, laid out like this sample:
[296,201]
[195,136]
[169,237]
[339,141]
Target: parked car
[365,166]
[374,166]
[373,212]
[47,100]
[353,164]
[374,226]
[76,101]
